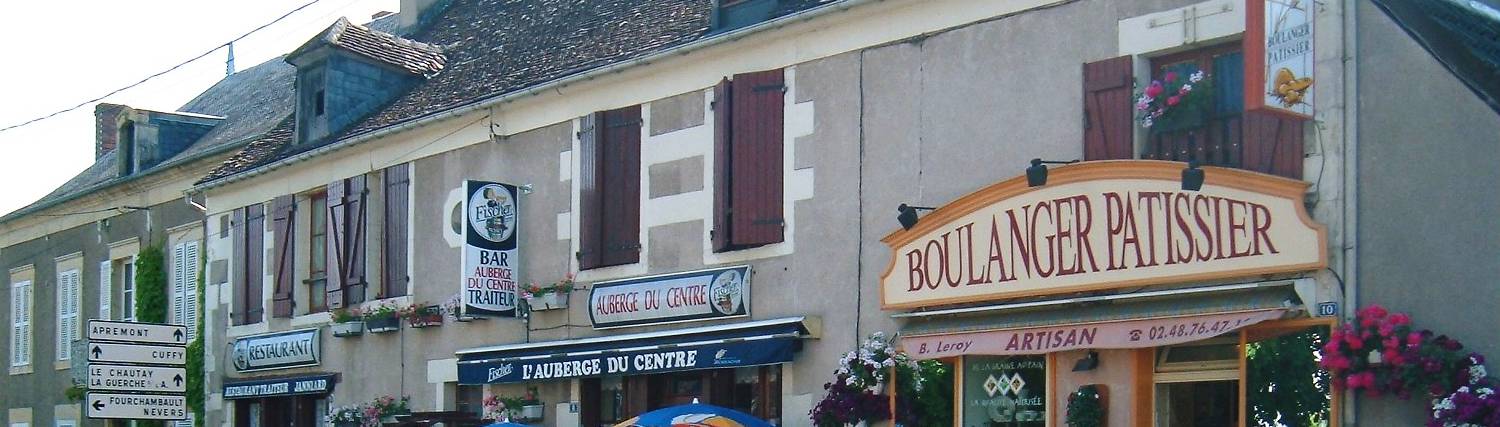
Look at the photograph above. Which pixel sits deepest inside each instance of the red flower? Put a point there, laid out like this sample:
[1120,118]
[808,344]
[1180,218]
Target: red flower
[1154,89]
[1400,319]
[1173,100]
[1170,77]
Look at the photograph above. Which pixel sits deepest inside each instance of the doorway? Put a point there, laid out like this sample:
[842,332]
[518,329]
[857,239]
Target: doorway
[1198,384]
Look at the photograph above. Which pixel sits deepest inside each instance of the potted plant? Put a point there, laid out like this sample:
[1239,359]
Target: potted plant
[527,407]
[454,308]
[548,297]
[347,322]
[346,416]
[382,318]
[386,408]
[1175,102]
[421,315]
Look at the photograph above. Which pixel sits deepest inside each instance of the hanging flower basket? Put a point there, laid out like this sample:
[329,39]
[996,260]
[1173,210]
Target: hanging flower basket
[548,297]
[423,316]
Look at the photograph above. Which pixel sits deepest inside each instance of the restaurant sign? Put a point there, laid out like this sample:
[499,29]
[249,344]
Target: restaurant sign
[1279,56]
[678,297]
[1102,225]
[275,387]
[277,351]
[490,260]
[728,354]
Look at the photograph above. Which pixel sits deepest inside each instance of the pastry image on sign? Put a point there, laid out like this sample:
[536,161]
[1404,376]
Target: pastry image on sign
[492,212]
[727,292]
[1290,90]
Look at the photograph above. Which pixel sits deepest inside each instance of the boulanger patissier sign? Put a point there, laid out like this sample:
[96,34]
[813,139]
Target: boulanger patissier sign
[1102,225]
[677,297]
[1279,63]
[490,263]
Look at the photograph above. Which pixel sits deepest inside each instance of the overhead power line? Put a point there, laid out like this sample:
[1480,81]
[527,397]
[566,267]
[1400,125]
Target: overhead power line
[159,74]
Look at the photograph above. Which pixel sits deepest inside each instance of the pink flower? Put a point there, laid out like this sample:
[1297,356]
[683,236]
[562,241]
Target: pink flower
[1375,311]
[1154,89]
[1170,77]
[1413,339]
[1400,319]
[1174,99]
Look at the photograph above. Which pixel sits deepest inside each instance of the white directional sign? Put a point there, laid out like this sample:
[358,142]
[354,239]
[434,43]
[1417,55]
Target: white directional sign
[136,406]
[137,378]
[135,353]
[145,333]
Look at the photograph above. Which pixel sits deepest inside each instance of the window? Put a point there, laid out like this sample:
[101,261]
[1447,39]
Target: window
[184,296]
[394,277]
[126,148]
[127,290]
[610,188]
[345,231]
[20,323]
[470,400]
[67,313]
[748,117]
[318,103]
[249,265]
[317,261]
[732,14]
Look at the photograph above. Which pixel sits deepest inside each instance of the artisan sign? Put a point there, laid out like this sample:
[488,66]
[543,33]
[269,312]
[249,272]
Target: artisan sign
[1114,334]
[136,406]
[490,263]
[1100,225]
[679,297]
[1279,64]
[137,378]
[680,358]
[318,384]
[277,351]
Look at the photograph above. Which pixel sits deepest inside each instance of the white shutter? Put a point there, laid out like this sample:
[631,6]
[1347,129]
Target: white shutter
[177,270]
[190,289]
[106,289]
[67,312]
[16,296]
[75,308]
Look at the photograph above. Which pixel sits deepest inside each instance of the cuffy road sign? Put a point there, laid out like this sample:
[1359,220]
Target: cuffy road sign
[131,332]
[134,353]
[136,406]
[137,378]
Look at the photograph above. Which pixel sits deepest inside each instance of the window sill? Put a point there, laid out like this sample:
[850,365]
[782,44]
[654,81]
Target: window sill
[62,365]
[312,319]
[250,329]
[20,370]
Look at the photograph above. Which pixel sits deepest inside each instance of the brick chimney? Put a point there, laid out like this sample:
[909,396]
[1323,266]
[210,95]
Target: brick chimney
[107,127]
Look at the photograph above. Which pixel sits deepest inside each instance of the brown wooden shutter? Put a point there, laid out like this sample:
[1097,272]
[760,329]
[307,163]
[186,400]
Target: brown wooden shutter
[237,224]
[755,183]
[621,186]
[1273,144]
[335,237]
[1107,109]
[723,112]
[590,189]
[284,230]
[354,271]
[397,192]
[255,266]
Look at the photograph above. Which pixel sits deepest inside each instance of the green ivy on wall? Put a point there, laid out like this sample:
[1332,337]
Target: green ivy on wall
[150,285]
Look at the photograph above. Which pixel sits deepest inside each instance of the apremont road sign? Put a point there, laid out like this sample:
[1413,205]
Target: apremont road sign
[136,406]
[137,353]
[152,379]
[131,332]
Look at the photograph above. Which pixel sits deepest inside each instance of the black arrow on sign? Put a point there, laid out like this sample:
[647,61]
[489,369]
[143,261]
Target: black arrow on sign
[98,405]
[177,334]
[177,379]
[97,352]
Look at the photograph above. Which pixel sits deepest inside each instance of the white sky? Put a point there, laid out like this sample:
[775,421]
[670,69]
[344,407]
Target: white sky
[60,53]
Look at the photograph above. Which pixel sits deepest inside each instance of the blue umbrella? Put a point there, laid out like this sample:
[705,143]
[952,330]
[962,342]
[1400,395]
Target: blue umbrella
[694,415]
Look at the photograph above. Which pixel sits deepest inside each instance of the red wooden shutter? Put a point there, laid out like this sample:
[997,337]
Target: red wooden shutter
[723,112]
[284,230]
[237,224]
[354,271]
[1107,109]
[755,183]
[590,189]
[335,248]
[255,266]
[1273,144]
[621,187]
[397,191]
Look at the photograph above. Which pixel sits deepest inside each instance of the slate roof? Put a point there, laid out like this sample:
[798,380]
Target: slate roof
[495,47]
[415,57]
[1464,36]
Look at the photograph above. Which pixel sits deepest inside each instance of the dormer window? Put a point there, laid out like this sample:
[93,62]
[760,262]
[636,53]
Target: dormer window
[126,148]
[348,71]
[318,101]
[733,14]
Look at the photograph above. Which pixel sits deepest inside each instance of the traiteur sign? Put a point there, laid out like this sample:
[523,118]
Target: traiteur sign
[1100,225]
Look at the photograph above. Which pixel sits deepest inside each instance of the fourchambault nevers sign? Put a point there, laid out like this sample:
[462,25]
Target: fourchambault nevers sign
[1102,225]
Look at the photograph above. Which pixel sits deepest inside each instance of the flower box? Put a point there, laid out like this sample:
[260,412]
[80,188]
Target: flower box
[348,329]
[532,412]
[422,316]
[547,301]
[383,324]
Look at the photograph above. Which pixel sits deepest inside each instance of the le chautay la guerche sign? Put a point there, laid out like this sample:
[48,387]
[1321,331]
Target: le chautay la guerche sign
[1102,225]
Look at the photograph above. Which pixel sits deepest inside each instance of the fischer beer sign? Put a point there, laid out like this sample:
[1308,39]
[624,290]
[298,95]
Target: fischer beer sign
[1102,225]
[490,260]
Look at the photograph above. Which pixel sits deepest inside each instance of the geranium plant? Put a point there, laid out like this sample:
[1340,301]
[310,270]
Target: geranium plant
[346,415]
[346,314]
[369,414]
[383,310]
[422,315]
[532,290]
[1174,102]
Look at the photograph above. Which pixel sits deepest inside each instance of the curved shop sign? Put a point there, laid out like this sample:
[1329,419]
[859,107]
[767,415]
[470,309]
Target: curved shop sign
[678,297]
[1102,225]
[277,351]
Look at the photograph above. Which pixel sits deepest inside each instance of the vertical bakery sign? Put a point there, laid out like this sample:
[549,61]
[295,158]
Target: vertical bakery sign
[490,260]
[1279,56]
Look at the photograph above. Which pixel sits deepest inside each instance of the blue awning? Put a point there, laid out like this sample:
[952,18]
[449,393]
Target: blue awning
[708,347]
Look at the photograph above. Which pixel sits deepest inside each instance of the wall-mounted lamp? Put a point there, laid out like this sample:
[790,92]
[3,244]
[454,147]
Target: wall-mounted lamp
[1192,177]
[525,188]
[1036,175]
[1087,363]
[908,215]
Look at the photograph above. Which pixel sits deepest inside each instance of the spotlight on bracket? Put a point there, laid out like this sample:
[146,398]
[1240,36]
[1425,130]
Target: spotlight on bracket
[1192,177]
[908,215]
[1036,175]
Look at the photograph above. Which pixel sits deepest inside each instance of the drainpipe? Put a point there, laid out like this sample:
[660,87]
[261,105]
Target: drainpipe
[1350,242]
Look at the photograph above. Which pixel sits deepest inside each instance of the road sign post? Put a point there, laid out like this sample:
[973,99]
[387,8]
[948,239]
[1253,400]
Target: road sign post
[136,370]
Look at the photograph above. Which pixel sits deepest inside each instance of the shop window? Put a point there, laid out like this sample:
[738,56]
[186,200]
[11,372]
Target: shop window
[317,253]
[469,399]
[610,188]
[1212,354]
[748,116]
